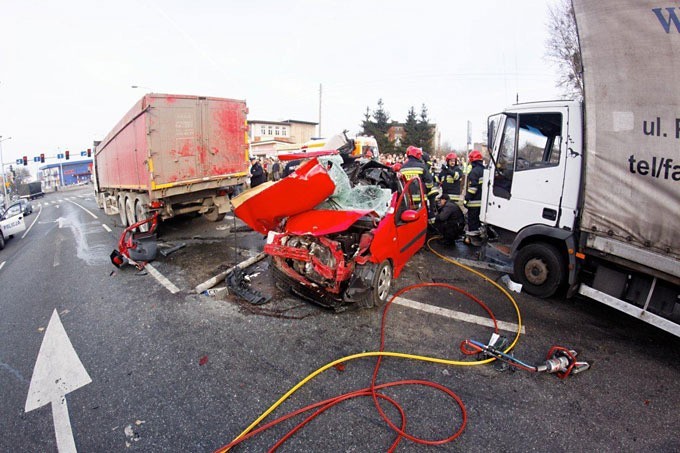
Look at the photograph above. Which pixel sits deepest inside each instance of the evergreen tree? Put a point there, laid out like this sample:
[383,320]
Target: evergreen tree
[410,135]
[424,132]
[378,127]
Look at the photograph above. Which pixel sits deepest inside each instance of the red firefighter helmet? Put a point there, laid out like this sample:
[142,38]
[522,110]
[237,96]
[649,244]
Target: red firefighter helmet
[475,155]
[451,156]
[414,151]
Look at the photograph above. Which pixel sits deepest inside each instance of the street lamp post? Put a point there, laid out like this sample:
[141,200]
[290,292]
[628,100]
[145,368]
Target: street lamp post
[4,174]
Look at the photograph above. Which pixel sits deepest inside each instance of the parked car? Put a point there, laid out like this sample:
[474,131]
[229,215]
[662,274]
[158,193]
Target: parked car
[11,222]
[26,206]
[338,229]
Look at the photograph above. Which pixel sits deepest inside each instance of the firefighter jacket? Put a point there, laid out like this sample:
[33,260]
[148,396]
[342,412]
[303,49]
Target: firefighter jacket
[413,168]
[450,178]
[473,196]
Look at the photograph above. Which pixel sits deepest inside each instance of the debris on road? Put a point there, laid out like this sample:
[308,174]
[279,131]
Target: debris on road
[168,251]
[221,276]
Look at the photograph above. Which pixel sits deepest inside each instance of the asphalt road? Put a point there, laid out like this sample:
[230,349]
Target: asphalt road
[188,372]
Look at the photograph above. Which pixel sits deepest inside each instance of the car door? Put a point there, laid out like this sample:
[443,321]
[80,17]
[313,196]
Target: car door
[410,233]
[12,221]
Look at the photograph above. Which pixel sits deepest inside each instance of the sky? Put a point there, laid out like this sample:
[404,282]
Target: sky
[66,68]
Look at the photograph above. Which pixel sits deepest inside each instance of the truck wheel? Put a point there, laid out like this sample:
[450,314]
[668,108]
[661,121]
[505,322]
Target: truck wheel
[130,210]
[540,269]
[213,215]
[120,201]
[380,286]
[141,212]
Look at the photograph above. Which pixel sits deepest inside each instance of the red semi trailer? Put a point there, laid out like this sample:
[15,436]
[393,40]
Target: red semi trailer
[174,153]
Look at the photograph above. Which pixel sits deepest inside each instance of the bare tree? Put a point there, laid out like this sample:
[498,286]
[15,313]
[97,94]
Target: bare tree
[563,48]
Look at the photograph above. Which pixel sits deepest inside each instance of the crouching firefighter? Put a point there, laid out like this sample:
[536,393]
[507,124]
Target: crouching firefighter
[414,167]
[450,220]
[473,196]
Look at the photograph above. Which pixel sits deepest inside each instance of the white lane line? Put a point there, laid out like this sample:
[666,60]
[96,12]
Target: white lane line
[61,201]
[83,208]
[57,206]
[106,227]
[2,264]
[162,279]
[34,220]
[459,315]
[57,251]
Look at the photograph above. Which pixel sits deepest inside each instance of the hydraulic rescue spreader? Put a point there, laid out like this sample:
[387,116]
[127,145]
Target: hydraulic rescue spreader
[559,360]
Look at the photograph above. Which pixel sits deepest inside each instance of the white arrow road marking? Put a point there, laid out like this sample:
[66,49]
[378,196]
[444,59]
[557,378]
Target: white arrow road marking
[57,372]
[83,208]
[35,220]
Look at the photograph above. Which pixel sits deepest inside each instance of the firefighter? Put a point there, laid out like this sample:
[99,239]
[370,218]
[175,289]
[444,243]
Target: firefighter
[450,178]
[433,188]
[414,167]
[450,220]
[473,196]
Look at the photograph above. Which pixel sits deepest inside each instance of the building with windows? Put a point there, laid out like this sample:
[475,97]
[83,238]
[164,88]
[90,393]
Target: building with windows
[65,173]
[396,133]
[268,137]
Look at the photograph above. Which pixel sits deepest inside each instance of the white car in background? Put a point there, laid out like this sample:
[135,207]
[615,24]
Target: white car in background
[11,222]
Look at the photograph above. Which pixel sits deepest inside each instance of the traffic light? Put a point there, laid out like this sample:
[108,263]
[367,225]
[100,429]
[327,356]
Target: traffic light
[25,160]
[42,158]
[89,152]
[66,152]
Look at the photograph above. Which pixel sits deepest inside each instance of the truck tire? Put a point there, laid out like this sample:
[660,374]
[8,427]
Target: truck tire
[213,215]
[141,211]
[130,209]
[540,269]
[120,201]
[380,286]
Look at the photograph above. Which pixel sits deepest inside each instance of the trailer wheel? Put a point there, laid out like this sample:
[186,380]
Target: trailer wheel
[540,269]
[213,215]
[130,209]
[141,212]
[120,201]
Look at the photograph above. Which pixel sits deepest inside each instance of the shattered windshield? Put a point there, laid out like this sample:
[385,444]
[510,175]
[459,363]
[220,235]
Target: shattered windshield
[346,197]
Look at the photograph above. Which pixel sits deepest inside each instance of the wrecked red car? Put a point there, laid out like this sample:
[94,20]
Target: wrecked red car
[338,229]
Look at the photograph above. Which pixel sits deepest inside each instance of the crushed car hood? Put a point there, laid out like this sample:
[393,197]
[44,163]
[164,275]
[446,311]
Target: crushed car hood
[264,207]
[321,222]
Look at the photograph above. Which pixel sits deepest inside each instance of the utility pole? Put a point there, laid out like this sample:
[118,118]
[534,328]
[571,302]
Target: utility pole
[5,200]
[320,94]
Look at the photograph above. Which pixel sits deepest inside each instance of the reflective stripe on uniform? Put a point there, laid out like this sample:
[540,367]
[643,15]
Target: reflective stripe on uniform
[474,204]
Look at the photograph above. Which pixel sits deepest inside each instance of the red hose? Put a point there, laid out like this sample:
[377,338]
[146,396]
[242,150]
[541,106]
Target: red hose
[374,388]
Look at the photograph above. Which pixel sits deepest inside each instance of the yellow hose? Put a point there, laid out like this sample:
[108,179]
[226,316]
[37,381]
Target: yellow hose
[393,354]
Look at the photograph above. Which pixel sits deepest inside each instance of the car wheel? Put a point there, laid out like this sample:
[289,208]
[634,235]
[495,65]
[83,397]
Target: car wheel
[540,269]
[380,286]
[2,241]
